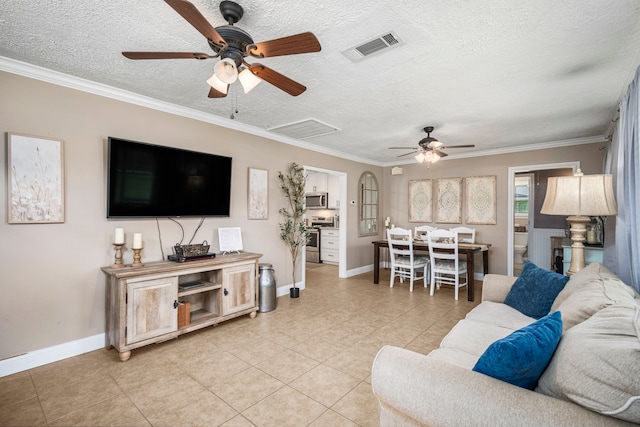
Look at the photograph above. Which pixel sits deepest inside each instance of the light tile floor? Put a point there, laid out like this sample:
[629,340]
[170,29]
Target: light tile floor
[307,363]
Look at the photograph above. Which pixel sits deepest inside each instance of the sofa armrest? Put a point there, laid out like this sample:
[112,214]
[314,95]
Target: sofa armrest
[413,389]
[495,287]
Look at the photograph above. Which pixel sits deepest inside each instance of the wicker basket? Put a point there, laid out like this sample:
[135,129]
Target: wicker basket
[191,250]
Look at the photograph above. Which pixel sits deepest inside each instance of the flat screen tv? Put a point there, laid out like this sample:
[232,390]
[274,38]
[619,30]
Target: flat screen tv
[146,180]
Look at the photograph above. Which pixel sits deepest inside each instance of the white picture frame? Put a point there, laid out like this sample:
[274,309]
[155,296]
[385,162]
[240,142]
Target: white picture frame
[230,239]
[449,200]
[480,199]
[35,179]
[258,194]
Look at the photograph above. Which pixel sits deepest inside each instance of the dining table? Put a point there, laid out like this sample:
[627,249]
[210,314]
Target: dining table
[467,249]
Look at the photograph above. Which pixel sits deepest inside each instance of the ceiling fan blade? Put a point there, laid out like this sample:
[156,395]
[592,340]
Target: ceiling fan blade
[189,12]
[440,153]
[291,45]
[216,94]
[278,80]
[407,154]
[166,55]
[402,148]
[458,146]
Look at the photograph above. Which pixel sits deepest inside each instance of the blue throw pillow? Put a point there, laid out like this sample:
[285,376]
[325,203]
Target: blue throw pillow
[534,290]
[521,357]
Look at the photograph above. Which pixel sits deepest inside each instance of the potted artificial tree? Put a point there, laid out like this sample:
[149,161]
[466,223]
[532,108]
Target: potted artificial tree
[293,230]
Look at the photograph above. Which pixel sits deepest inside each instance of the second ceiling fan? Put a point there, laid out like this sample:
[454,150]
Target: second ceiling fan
[232,45]
[429,149]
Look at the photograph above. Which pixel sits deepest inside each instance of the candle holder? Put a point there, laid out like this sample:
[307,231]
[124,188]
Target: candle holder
[118,257]
[136,258]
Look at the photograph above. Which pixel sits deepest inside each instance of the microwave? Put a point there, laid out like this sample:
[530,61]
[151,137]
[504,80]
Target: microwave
[317,200]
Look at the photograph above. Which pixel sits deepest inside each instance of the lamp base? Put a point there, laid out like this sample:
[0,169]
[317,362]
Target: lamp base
[578,232]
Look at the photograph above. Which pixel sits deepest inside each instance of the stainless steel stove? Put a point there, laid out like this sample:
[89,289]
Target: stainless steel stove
[313,245]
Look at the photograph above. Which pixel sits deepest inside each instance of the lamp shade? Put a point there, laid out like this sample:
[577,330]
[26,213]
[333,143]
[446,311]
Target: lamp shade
[248,80]
[226,71]
[218,84]
[580,195]
[420,157]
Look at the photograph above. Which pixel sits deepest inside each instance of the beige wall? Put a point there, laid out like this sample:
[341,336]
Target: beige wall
[53,289]
[396,204]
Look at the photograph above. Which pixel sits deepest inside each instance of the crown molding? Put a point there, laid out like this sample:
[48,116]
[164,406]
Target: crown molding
[516,149]
[54,77]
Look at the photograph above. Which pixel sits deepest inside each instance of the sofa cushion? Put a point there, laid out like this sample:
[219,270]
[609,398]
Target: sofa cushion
[593,297]
[495,313]
[589,291]
[535,290]
[473,337]
[596,364]
[576,282]
[521,357]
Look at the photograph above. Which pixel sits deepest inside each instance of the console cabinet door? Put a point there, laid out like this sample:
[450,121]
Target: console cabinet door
[150,308]
[239,288]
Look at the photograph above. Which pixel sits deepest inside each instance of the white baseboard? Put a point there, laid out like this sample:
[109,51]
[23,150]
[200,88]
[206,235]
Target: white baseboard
[48,355]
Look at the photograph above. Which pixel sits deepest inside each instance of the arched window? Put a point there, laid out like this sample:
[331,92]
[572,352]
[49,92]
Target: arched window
[367,204]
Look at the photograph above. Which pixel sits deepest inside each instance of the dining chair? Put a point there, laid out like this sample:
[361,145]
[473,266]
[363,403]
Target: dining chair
[404,263]
[465,234]
[446,266]
[421,230]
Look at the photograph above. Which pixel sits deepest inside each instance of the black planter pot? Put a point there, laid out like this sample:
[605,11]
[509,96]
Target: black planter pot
[294,292]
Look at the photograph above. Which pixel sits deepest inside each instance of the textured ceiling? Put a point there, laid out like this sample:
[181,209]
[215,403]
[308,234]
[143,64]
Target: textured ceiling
[494,73]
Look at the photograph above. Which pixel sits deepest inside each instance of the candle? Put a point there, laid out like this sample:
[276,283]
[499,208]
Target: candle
[591,236]
[137,241]
[119,239]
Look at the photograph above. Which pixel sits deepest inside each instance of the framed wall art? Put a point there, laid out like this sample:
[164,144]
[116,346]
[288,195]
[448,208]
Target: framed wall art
[449,200]
[35,179]
[258,194]
[480,199]
[420,201]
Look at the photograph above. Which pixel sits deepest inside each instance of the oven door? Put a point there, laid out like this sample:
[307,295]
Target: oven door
[313,246]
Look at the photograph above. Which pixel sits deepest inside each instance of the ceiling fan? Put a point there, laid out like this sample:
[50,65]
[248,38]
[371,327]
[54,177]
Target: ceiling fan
[429,149]
[232,45]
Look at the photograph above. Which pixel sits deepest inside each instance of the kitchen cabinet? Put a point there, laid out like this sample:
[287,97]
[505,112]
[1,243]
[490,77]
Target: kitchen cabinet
[333,188]
[330,245]
[142,302]
[317,182]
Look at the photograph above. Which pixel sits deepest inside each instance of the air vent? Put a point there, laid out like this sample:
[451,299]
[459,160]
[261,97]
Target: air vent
[380,43]
[303,129]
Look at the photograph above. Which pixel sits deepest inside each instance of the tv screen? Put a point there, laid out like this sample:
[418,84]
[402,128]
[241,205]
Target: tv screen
[146,180]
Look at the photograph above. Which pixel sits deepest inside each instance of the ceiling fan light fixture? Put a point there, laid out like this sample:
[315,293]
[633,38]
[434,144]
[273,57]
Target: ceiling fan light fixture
[434,158]
[435,144]
[420,157]
[226,71]
[218,84]
[248,80]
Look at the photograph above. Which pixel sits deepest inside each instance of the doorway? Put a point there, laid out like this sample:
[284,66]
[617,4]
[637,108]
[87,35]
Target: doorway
[338,213]
[538,235]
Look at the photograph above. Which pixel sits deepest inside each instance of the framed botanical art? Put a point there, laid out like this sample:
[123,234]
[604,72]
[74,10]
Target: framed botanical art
[449,200]
[420,201]
[35,179]
[258,194]
[480,199]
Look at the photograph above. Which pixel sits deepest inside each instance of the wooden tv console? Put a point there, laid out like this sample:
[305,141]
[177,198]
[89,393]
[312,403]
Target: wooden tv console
[142,302]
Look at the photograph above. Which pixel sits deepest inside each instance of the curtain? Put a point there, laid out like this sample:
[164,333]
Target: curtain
[624,162]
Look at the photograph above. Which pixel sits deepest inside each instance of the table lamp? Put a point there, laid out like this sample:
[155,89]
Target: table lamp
[579,196]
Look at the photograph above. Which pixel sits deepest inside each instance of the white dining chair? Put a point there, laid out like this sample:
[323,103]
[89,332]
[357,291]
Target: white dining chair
[465,234]
[421,230]
[404,263]
[446,266]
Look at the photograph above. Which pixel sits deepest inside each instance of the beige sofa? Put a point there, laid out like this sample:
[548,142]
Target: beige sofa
[595,368]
